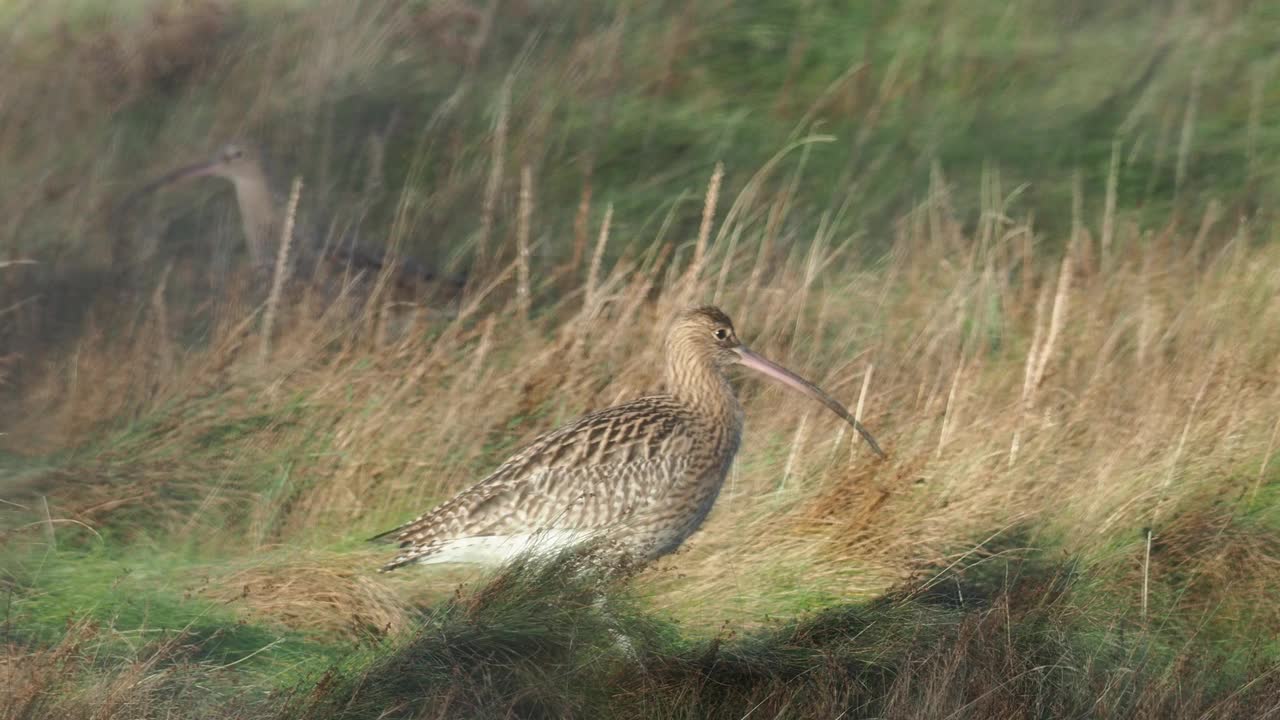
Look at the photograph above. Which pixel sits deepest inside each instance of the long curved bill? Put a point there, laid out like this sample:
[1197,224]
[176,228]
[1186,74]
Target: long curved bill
[182,173]
[799,384]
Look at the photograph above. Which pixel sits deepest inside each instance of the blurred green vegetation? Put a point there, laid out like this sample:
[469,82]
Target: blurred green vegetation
[644,98]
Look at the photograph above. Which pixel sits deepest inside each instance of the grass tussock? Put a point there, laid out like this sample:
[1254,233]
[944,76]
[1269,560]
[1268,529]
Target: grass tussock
[1075,379]
[1025,638]
[70,679]
[333,597]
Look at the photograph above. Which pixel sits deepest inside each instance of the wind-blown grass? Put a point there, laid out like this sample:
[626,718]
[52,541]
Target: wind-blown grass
[1149,505]
[1075,381]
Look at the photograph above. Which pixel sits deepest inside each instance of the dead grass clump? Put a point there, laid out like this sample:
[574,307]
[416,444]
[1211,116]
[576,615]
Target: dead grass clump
[534,642]
[849,505]
[1007,653]
[531,641]
[322,595]
[133,502]
[78,679]
[1217,558]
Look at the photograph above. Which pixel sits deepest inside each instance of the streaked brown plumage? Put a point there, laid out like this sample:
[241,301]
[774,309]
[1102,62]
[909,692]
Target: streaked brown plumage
[645,473]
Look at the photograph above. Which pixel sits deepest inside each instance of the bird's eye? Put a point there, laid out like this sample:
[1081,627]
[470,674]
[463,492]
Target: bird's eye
[721,333]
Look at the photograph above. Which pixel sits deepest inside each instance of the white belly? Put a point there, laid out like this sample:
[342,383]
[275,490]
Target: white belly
[499,549]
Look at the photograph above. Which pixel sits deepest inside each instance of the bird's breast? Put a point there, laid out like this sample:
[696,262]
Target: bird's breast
[708,456]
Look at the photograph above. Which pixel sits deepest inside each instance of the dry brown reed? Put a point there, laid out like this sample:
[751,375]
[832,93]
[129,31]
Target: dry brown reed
[704,232]
[591,292]
[1109,207]
[1187,135]
[280,273]
[331,596]
[581,226]
[497,162]
[52,682]
[522,241]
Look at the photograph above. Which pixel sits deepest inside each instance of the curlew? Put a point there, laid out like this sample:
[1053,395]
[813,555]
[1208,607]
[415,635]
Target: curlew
[643,474]
[262,215]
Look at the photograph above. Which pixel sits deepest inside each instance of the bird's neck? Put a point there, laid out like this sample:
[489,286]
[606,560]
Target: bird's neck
[705,390]
[257,215]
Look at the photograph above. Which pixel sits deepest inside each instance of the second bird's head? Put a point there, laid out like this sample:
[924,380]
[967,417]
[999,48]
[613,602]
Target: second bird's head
[233,161]
[229,161]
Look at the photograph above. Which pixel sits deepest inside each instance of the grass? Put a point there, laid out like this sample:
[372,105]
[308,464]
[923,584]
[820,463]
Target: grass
[1047,284]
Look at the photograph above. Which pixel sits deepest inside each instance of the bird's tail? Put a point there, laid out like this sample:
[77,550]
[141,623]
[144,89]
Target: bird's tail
[408,556]
[385,536]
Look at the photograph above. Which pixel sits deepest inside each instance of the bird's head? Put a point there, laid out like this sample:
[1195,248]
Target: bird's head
[234,161]
[703,337]
[230,160]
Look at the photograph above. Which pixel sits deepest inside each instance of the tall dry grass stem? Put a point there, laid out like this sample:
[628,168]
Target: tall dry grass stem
[1028,270]
[497,162]
[1174,459]
[704,232]
[1029,380]
[1266,460]
[476,369]
[1212,214]
[597,259]
[1146,573]
[745,202]
[797,445]
[160,312]
[858,409]
[581,225]
[50,537]
[1109,206]
[1057,319]
[778,210]
[1146,305]
[1187,135]
[889,88]
[774,219]
[281,272]
[1075,242]
[858,415]
[522,242]
[949,411]
[726,265]
[1257,87]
